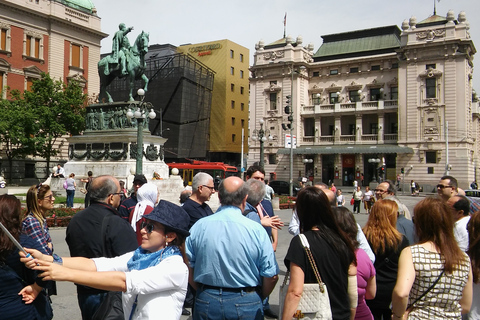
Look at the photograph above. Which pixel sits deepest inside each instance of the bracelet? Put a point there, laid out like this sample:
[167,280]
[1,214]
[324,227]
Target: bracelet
[399,317]
[57,259]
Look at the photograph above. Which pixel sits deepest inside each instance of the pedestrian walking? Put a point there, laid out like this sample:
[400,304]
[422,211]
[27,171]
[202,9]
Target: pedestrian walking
[357,199]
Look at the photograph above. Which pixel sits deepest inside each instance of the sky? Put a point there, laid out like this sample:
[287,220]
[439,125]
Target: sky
[248,21]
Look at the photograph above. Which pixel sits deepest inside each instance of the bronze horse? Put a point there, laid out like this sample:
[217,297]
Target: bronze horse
[135,67]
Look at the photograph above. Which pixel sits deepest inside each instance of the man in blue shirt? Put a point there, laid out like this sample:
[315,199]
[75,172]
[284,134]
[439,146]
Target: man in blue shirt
[231,259]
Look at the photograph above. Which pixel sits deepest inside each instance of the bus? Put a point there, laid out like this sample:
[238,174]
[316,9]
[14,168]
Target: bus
[218,170]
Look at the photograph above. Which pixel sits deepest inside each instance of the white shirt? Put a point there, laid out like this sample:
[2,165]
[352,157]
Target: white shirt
[161,289]
[461,233]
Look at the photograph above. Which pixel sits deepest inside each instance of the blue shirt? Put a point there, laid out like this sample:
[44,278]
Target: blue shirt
[252,213]
[229,250]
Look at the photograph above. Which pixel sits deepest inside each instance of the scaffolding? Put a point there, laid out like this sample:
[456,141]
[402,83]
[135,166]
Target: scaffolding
[180,90]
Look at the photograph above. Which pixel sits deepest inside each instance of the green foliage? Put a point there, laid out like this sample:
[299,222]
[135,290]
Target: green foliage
[31,123]
[59,109]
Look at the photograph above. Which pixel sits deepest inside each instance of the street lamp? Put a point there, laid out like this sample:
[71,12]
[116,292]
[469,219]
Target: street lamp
[375,162]
[260,135]
[306,162]
[140,115]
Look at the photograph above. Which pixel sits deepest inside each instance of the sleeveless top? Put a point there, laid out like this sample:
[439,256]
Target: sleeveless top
[442,301]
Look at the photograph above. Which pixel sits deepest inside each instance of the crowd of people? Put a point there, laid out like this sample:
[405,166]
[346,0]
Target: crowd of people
[156,257]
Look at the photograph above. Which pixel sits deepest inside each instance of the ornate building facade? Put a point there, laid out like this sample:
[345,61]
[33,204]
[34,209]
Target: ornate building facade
[369,105]
[58,37]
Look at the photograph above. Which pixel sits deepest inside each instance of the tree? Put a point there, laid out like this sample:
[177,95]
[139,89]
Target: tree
[17,127]
[59,109]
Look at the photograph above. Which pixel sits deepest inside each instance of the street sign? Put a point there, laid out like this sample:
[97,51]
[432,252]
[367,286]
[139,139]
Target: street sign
[287,141]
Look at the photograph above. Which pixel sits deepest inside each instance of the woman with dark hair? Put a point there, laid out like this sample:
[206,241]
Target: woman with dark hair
[434,276]
[366,283]
[473,228]
[333,253]
[14,275]
[387,244]
[153,278]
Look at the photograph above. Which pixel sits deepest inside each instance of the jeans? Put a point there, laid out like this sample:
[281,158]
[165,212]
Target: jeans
[89,303]
[70,196]
[219,304]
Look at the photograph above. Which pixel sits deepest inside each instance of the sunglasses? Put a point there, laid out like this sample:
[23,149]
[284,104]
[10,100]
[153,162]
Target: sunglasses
[148,226]
[50,198]
[441,186]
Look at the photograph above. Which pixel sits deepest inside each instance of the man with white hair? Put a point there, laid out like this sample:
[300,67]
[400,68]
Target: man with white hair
[202,190]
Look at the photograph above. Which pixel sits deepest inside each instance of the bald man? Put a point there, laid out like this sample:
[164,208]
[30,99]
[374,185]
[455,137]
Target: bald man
[230,256]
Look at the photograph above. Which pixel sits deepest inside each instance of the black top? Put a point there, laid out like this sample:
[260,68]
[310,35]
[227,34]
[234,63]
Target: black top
[127,206]
[85,237]
[333,271]
[196,211]
[386,267]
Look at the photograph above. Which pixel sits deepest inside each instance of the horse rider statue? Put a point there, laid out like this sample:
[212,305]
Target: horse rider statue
[120,49]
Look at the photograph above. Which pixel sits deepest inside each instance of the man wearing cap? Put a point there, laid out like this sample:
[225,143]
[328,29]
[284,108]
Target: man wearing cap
[129,204]
[196,205]
[233,266]
[96,232]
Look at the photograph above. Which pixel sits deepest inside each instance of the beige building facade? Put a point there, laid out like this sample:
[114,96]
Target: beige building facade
[369,105]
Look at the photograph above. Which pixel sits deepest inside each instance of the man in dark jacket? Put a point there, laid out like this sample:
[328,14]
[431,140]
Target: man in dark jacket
[128,205]
[98,231]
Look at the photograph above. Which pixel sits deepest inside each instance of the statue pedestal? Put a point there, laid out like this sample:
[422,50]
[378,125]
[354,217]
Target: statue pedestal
[109,146]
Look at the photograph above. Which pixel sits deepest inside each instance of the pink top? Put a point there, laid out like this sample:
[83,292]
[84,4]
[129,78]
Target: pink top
[365,270]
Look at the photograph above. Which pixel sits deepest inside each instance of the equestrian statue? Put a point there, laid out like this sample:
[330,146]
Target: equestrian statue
[124,61]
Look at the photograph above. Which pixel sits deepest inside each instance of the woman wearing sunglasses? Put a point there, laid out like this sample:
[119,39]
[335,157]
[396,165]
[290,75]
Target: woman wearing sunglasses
[153,278]
[40,200]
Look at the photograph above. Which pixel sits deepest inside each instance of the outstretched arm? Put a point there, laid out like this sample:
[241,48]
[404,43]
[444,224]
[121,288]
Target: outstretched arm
[109,280]
[78,263]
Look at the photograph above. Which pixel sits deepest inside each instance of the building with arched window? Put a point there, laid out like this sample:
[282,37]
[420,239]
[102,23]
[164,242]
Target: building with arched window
[369,104]
[61,38]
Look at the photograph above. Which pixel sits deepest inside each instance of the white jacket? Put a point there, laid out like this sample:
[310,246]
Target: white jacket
[161,289]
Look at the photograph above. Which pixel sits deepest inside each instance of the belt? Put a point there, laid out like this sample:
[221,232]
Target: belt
[246,289]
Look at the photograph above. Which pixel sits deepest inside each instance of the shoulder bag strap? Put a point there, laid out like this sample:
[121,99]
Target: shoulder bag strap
[306,246]
[427,291]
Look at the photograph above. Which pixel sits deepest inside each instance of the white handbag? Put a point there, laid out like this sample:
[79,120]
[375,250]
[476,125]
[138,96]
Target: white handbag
[314,303]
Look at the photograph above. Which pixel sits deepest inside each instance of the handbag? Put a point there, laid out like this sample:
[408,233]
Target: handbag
[314,303]
[111,307]
[352,201]
[65,184]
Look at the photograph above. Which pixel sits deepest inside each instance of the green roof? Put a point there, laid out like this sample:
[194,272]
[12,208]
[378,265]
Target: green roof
[361,41]
[82,5]
[348,149]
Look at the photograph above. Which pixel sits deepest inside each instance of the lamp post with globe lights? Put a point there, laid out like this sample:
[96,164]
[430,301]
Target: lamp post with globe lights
[140,114]
[261,136]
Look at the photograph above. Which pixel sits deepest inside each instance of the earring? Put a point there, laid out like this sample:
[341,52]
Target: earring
[166,244]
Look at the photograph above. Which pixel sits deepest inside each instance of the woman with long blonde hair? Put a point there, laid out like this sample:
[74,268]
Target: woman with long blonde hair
[387,244]
[40,200]
[434,276]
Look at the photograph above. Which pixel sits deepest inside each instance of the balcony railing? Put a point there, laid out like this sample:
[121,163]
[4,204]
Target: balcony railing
[349,107]
[347,138]
[369,137]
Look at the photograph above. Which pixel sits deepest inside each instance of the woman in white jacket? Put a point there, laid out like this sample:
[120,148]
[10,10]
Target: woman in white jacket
[153,278]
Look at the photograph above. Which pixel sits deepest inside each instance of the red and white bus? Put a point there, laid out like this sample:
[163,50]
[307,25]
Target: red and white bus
[215,169]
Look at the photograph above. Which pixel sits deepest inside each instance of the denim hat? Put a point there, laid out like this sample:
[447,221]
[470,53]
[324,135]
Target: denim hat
[140,178]
[171,216]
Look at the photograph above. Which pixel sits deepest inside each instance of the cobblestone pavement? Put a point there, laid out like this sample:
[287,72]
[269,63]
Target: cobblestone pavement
[65,304]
